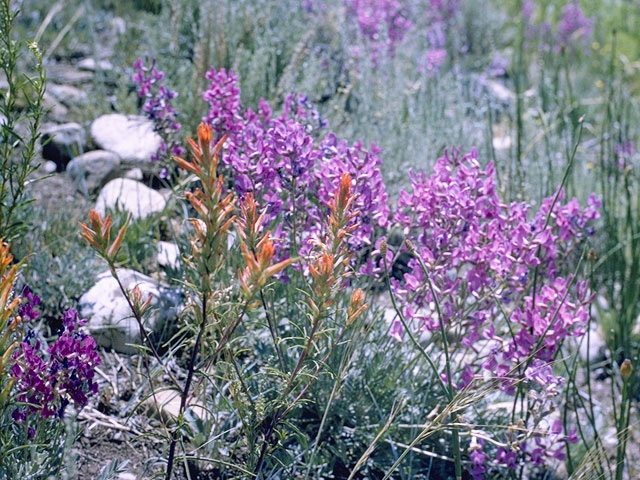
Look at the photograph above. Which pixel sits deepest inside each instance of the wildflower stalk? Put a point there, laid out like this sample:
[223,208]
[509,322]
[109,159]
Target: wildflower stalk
[207,246]
[536,269]
[622,426]
[187,385]
[272,331]
[328,272]
[345,363]
[518,80]
[445,347]
[415,342]
[97,234]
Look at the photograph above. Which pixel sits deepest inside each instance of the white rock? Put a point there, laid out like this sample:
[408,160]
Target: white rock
[130,196]
[500,92]
[596,347]
[91,65]
[110,320]
[118,25]
[130,136]
[91,170]
[167,402]
[168,255]
[502,143]
[134,174]
[127,476]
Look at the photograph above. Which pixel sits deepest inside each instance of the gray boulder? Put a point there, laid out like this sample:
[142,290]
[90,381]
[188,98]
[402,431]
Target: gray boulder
[67,74]
[90,171]
[62,142]
[68,94]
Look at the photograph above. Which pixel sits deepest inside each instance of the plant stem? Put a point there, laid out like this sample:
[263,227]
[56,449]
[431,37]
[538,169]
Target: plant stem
[187,385]
[272,330]
[445,347]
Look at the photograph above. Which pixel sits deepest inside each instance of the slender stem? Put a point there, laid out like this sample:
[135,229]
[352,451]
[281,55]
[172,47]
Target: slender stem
[187,385]
[410,333]
[445,347]
[272,330]
[622,430]
[143,331]
[243,385]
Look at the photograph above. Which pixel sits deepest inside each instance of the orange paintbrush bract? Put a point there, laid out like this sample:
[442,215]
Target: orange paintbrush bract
[99,233]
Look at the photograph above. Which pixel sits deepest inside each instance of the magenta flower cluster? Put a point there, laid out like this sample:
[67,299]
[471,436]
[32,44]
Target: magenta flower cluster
[157,107]
[438,18]
[291,167]
[492,264]
[47,381]
[385,24]
[574,28]
[382,23]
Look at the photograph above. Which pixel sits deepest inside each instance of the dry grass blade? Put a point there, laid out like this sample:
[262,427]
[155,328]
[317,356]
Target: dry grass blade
[67,28]
[372,446]
[55,8]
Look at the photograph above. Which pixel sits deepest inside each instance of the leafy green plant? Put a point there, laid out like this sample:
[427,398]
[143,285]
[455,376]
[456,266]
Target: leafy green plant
[21,112]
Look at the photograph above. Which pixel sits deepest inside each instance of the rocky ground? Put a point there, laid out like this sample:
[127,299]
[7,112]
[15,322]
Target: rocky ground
[105,164]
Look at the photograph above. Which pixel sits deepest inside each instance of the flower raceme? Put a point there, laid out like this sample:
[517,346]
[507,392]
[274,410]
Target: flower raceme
[329,264]
[258,250]
[42,381]
[480,249]
[259,267]
[47,383]
[497,276]
[98,235]
[157,107]
[215,210]
[291,173]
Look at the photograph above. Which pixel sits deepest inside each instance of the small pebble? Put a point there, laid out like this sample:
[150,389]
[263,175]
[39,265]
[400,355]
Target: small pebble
[49,166]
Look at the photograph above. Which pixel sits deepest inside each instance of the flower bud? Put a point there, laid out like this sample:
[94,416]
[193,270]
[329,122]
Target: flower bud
[356,306]
[383,248]
[626,369]
[204,134]
[409,245]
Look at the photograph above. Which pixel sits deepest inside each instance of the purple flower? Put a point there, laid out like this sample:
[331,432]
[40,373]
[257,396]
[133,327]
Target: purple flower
[397,331]
[28,309]
[158,108]
[574,27]
[478,459]
[382,23]
[223,97]
[432,60]
[479,252]
[289,170]
[47,381]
